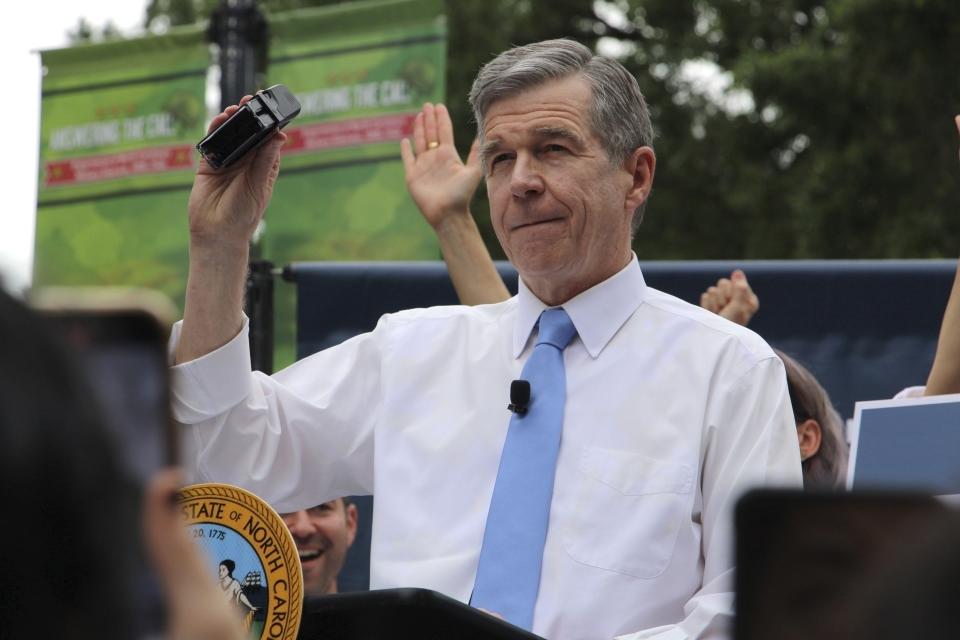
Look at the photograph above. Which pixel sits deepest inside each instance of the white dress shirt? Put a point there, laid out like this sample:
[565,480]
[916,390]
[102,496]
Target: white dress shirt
[672,412]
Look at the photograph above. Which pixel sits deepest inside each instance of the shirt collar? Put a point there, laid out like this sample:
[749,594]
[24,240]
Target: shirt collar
[597,313]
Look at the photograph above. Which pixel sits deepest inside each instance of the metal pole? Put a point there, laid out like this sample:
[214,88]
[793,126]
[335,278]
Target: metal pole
[259,308]
[239,29]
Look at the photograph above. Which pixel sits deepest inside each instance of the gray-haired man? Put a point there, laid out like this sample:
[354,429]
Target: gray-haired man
[667,411]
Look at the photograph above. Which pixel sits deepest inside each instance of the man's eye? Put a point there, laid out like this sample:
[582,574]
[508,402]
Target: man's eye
[554,148]
[321,508]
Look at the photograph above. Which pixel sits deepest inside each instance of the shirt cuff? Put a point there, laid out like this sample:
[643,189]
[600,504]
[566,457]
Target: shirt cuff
[212,384]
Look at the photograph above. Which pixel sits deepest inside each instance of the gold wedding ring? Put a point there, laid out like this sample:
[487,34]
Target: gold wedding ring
[433,145]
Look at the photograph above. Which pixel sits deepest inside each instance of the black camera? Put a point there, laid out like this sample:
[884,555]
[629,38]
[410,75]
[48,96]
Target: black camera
[267,112]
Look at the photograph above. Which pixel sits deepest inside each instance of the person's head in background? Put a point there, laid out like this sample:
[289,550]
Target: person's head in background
[70,545]
[68,509]
[323,535]
[823,450]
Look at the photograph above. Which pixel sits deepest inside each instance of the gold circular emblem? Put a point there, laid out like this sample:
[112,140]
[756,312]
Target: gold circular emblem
[252,555]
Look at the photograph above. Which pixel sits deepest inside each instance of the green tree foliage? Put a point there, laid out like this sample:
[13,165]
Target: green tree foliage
[172,13]
[834,138]
[84,32]
[849,150]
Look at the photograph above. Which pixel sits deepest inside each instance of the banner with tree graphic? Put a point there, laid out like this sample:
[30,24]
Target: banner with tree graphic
[361,72]
[120,121]
[118,125]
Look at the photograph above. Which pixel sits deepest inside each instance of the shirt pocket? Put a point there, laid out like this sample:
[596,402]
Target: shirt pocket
[627,511]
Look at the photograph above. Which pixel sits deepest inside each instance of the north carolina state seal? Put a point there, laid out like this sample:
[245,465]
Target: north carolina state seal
[251,553]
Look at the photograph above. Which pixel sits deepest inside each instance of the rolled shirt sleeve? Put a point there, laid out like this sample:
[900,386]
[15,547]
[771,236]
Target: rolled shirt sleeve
[299,438]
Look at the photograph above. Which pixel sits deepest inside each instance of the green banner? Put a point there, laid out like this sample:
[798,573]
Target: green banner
[361,72]
[118,126]
[120,121]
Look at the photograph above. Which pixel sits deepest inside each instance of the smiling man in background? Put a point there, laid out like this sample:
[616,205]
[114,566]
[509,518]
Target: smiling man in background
[323,535]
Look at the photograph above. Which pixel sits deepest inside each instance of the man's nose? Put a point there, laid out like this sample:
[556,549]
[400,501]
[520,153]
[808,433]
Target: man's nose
[300,525]
[525,180]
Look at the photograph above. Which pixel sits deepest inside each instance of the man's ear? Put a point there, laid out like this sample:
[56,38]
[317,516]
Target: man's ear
[351,513]
[641,165]
[810,435]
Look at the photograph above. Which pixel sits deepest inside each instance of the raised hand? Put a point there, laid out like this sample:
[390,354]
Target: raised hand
[441,186]
[731,298]
[956,119]
[440,183]
[945,374]
[226,205]
[224,210]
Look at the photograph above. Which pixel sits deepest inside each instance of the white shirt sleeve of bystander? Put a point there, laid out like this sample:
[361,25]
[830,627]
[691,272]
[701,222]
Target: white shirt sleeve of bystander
[910,392]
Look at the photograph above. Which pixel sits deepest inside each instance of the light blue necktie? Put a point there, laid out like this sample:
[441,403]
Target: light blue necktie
[508,576]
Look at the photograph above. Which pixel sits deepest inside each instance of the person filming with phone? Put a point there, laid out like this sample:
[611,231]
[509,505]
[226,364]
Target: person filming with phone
[600,504]
[80,527]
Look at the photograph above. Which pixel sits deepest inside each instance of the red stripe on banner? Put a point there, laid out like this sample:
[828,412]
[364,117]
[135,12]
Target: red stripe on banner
[348,133]
[119,165]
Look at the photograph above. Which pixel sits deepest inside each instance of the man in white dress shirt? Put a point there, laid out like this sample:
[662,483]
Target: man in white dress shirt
[671,412]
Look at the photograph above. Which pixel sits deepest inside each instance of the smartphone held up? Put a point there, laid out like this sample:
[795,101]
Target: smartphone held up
[118,338]
[250,126]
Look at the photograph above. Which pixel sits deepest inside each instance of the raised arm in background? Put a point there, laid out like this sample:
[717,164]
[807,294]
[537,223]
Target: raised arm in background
[225,208]
[441,186]
[731,298]
[945,373]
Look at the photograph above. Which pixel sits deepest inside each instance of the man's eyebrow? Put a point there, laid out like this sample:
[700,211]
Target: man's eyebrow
[489,148]
[560,132]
